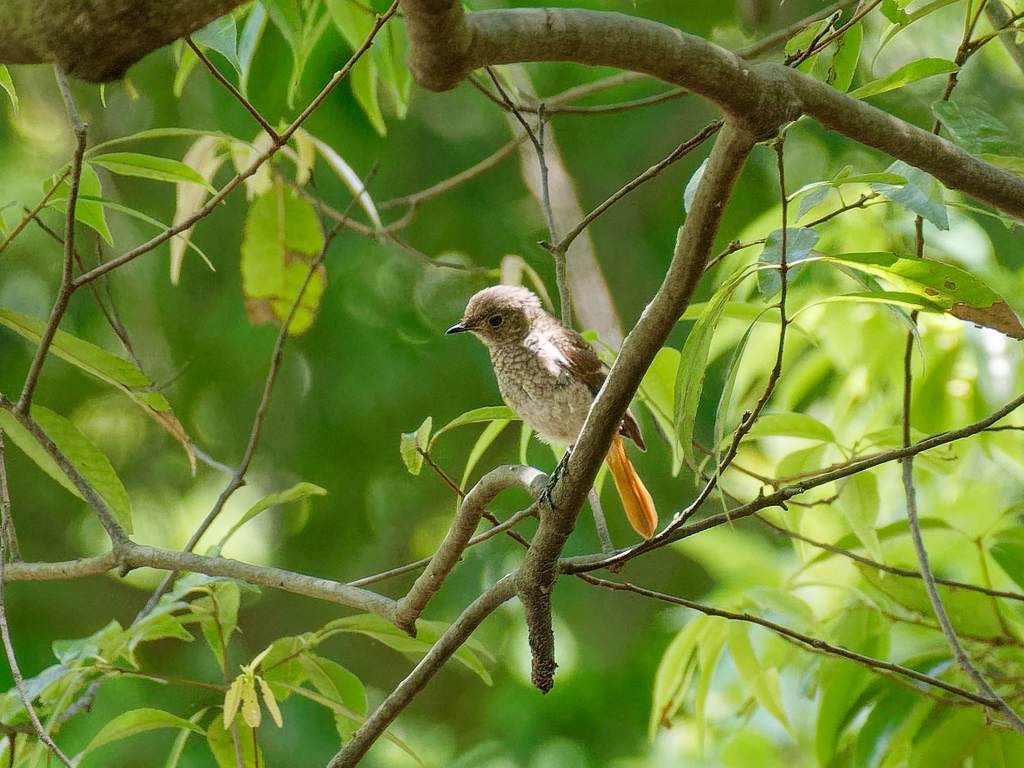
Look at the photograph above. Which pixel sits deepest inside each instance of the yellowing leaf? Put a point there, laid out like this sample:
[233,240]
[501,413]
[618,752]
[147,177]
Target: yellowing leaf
[282,238]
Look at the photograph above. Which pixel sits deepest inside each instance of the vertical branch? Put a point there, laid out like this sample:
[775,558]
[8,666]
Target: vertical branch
[19,681]
[10,538]
[67,283]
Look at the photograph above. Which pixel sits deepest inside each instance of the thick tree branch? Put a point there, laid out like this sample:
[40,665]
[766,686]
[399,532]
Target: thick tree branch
[455,542]
[447,44]
[535,580]
[98,41]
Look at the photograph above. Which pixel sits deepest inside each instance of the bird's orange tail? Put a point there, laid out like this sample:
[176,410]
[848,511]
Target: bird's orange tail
[636,500]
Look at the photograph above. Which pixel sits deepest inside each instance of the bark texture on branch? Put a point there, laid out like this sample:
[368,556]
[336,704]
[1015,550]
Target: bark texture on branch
[448,43]
[98,40]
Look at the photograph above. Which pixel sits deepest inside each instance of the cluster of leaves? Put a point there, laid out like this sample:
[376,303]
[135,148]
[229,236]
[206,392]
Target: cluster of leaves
[289,666]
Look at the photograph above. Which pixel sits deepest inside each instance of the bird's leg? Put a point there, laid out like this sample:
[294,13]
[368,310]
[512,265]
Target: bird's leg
[599,522]
[560,469]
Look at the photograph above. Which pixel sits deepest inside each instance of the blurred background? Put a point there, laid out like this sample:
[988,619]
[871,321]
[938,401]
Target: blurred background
[376,363]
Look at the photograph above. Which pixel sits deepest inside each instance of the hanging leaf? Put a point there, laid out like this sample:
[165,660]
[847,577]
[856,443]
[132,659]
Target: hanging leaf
[221,35]
[89,212]
[8,85]
[282,238]
[412,443]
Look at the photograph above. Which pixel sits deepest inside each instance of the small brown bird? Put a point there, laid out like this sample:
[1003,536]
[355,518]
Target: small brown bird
[548,374]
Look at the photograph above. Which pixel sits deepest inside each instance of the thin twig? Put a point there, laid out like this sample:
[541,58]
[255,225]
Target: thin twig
[31,214]
[67,286]
[875,565]
[681,151]
[12,552]
[813,642]
[776,39]
[750,417]
[12,659]
[234,91]
[275,146]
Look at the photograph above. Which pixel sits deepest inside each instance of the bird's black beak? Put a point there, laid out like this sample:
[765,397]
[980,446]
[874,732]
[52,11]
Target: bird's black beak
[459,327]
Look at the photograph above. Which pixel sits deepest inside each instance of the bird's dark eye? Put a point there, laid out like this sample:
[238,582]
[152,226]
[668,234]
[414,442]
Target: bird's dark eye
[495,320]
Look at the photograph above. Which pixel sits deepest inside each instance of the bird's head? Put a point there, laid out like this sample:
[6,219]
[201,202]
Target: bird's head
[500,314]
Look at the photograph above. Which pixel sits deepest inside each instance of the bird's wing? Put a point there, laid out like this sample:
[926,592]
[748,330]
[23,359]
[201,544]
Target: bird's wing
[582,362]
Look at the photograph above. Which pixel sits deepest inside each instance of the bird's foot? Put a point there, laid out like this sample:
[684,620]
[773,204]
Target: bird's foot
[561,469]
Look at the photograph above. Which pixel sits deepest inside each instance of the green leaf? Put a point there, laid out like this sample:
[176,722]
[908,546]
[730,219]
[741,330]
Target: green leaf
[174,757]
[845,58]
[842,686]
[296,492]
[282,238]
[107,367]
[959,293]
[150,167]
[860,503]
[762,683]
[693,363]
[428,632]
[221,35]
[285,15]
[134,722]
[799,243]
[8,85]
[657,391]
[952,744]
[89,212]
[975,130]
[490,433]
[893,11]
[334,681]
[89,461]
[791,425]
[1008,551]
[974,618]
[908,73]
[920,195]
[249,41]
[223,746]
[363,81]
[477,415]
[892,298]
[412,443]
[675,671]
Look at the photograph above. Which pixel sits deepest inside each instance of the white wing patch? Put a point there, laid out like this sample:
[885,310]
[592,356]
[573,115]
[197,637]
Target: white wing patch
[552,357]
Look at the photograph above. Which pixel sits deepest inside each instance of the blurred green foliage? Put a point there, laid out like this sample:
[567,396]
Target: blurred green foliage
[639,682]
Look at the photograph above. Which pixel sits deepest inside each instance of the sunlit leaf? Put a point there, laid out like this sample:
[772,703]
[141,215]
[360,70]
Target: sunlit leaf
[296,492]
[222,745]
[134,722]
[8,85]
[791,425]
[763,683]
[477,415]
[150,167]
[412,443]
[89,212]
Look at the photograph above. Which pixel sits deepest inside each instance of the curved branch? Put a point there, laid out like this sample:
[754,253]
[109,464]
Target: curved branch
[98,41]
[455,542]
[448,43]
